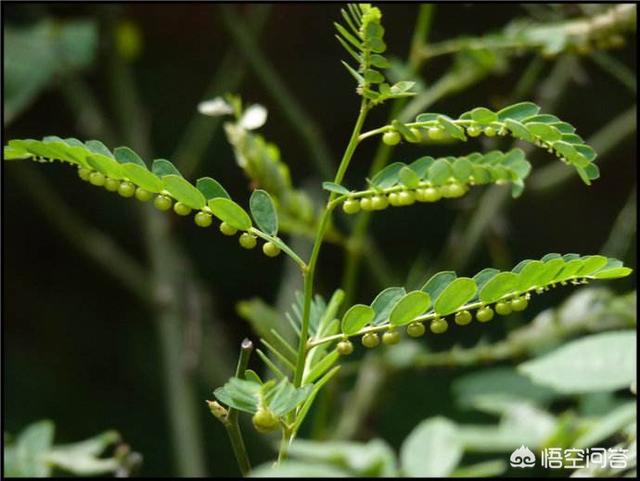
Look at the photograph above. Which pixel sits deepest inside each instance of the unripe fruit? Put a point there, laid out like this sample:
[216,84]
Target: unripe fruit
[126,189]
[436,133]
[162,202]
[519,304]
[416,329]
[489,131]
[453,190]
[394,199]
[431,194]
[351,206]
[463,318]
[270,249]
[438,326]
[97,178]
[202,219]
[344,348]
[226,229]
[391,138]
[473,131]
[503,308]
[247,241]
[265,421]
[484,314]
[379,202]
[181,209]
[370,340]
[366,204]
[417,135]
[391,337]
[84,173]
[111,185]
[143,195]
[406,197]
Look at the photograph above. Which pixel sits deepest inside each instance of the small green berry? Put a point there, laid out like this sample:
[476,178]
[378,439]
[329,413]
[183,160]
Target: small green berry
[391,337]
[431,194]
[453,190]
[202,219]
[438,326]
[181,209]
[143,195]
[97,178]
[484,314]
[473,131]
[370,340]
[379,202]
[345,347]
[84,173]
[265,421]
[436,133]
[406,197]
[366,204]
[351,206]
[503,308]
[391,138]
[162,202]
[126,189]
[463,318]
[111,185]
[270,249]
[489,131]
[519,304]
[416,135]
[415,329]
[394,199]
[247,241]
[226,229]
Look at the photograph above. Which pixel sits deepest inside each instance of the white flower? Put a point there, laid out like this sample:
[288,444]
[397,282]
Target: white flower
[215,107]
[254,117]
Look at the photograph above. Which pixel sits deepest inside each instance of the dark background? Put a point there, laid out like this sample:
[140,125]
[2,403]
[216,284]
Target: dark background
[81,350]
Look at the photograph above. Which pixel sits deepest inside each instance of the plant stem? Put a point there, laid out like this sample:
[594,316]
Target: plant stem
[317,244]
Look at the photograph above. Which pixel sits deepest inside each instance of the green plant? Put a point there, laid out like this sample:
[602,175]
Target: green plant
[301,368]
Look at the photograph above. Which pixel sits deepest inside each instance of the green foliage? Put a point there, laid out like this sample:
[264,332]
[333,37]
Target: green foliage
[33,454]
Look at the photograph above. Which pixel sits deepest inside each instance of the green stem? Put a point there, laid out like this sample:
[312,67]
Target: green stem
[317,244]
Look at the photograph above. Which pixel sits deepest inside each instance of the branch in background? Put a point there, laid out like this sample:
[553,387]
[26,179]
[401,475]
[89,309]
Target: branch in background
[617,70]
[228,77]
[300,120]
[624,229]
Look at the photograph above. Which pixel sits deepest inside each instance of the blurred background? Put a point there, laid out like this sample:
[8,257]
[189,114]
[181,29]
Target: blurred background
[87,346]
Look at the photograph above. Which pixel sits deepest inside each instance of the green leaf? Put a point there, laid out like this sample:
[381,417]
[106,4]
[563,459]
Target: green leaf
[125,155]
[410,306]
[483,115]
[211,188]
[456,294]
[31,447]
[98,147]
[544,132]
[518,111]
[240,394]
[569,152]
[333,187]
[452,129]
[518,130]
[183,191]
[404,131]
[437,283]
[498,286]
[599,362]
[140,176]
[462,169]
[433,449]
[81,458]
[228,211]
[384,303]
[387,177]
[530,274]
[264,212]
[408,178]
[613,273]
[162,167]
[607,426]
[285,397]
[592,264]
[357,317]
[440,172]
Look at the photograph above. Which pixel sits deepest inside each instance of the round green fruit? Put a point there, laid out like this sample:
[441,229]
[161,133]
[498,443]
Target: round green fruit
[484,314]
[519,304]
[416,329]
[406,197]
[489,131]
[503,308]
[111,185]
[270,249]
[463,318]
[265,421]
[202,219]
[226,229]
[391,138]
[436,133]
[344,348]
[247,241]
[162,202]
[453,190]
[351,206]
[84,173]
[431,194]
[379,202]
[394,199]
[126,189]
[143,195]
[438,326]
[391,337]
[473,131]
[181,209]
[97,178]
[370,340]
[366,204]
